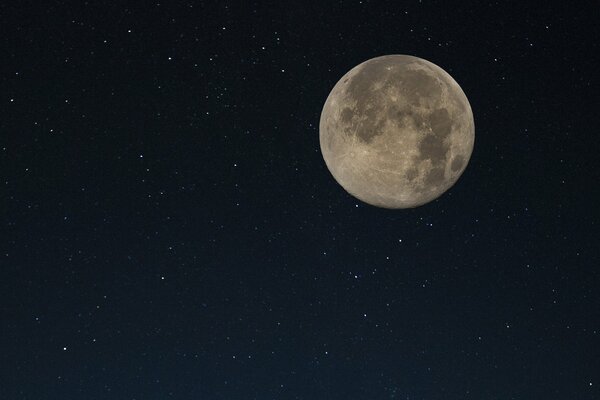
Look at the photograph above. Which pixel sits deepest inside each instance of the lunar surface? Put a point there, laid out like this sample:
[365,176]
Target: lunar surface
[396,131]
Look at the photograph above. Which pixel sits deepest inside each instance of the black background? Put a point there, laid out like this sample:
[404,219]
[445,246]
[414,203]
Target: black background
[170,230]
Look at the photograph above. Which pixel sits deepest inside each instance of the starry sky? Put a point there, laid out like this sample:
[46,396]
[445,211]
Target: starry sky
[169,229]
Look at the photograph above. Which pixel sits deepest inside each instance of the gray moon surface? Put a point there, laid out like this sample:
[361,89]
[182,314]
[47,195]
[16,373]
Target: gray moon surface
[396,131]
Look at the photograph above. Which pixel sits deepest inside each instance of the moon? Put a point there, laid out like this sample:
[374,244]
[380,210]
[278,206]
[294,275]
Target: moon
[396,131]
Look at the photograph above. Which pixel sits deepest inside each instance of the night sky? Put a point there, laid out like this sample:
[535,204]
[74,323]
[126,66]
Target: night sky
[169,229]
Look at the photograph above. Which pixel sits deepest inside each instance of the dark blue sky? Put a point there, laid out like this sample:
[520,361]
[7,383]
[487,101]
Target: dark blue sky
[169,229]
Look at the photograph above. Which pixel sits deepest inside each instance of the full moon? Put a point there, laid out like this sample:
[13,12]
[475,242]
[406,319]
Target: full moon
[396,131]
